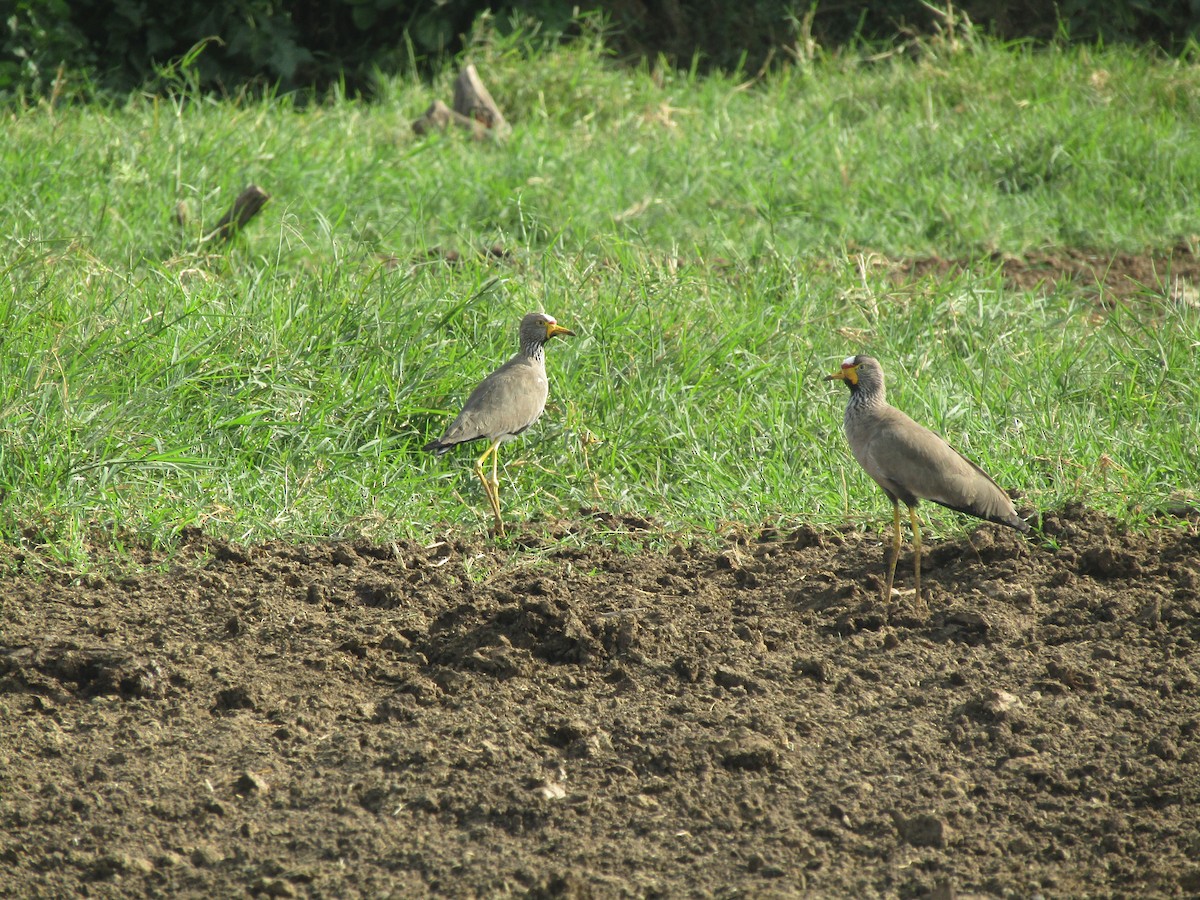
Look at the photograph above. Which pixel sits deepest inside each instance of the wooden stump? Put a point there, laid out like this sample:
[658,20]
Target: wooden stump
[247,205]
[471,99]
[474,110]
[439,115]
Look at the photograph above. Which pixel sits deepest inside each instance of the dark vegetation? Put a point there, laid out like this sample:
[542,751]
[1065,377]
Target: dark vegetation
[88,47]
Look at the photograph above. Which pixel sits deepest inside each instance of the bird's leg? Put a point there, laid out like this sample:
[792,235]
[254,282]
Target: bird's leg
[887,591]
[916,527]
[496,488]
[491,487]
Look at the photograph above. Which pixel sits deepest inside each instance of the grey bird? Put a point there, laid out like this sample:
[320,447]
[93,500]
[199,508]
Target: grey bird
[911,463]
[505,403]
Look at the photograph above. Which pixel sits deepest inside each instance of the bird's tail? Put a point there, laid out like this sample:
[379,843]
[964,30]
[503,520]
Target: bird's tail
[1013,521]
[979,511]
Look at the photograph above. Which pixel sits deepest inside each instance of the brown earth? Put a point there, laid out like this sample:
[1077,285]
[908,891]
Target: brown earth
[582,715]
[1107,277]
[1104,277]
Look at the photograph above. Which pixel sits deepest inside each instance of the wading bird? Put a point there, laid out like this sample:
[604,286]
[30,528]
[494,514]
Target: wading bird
[911,463]
[505,403]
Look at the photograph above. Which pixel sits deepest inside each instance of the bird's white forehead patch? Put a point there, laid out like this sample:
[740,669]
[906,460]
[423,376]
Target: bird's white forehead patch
[550,320]
[848,362]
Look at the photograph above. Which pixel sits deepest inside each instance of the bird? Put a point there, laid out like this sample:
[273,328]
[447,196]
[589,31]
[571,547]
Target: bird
[912,463]
[505,403]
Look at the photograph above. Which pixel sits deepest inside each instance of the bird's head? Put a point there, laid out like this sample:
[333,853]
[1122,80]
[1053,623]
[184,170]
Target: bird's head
[537,328]
[848,372]
[860,373]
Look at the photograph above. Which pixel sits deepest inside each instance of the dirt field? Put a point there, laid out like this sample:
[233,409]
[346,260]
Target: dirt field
[588,714]
[1107,278]
[583,721]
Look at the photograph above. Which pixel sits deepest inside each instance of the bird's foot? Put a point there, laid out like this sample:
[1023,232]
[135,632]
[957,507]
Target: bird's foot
[917,604]
[902,601]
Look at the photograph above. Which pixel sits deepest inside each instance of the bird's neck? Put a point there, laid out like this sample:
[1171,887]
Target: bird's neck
[534,350]
[864,399]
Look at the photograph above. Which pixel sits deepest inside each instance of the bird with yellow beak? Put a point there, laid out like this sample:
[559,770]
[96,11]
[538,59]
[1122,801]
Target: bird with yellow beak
[912,463]
[505,404]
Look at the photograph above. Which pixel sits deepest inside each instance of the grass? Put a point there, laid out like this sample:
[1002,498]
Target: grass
[716,242]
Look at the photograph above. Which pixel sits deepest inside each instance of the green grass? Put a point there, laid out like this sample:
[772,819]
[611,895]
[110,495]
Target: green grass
[713,240]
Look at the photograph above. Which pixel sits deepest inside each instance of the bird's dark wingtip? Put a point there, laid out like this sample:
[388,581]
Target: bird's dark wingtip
[436,447]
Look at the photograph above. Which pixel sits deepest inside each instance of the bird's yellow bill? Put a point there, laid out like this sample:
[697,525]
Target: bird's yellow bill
[553,328]
[848,372]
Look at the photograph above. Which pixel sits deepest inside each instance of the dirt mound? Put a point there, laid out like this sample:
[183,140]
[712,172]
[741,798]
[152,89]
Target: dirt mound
[581,718]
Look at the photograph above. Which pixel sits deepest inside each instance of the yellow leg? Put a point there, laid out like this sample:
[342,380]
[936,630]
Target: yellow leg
[891,575]
[916,527]
[496,489]
[495,473]
[491,488]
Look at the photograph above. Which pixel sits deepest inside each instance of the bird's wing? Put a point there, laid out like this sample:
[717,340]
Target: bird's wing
[505,403]
[908,454]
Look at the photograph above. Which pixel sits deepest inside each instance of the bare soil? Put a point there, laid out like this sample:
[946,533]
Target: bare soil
[595,709]
[1109,278]
[582,715]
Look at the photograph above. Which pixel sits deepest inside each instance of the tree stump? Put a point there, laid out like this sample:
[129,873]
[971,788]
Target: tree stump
[474,110]
[439,115]
[247,205]
[471,99]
